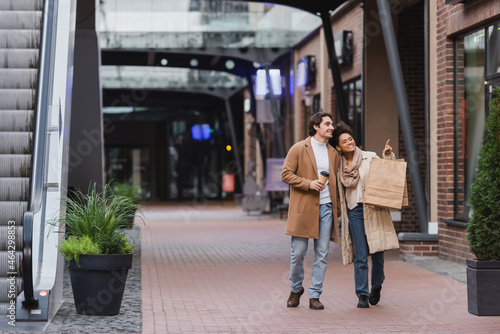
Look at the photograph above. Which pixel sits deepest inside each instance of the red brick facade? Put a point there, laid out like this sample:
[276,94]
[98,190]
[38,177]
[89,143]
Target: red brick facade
[419,248]
[349,18]
[453,22]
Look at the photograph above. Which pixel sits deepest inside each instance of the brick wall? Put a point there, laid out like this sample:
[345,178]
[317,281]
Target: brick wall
[350,19]
[453,19]
[418,248]
[453,245]
[444,122]
[411,50]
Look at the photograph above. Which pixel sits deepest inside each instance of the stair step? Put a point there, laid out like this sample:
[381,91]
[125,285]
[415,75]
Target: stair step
[6,285]
[14,188]
[18,78]
[19,58]
[20,19]
[20,39]
[11,238]
[21,5]
[16,142]
[16,120]
[21,99]
[15,165]
[12,210]
[15,267]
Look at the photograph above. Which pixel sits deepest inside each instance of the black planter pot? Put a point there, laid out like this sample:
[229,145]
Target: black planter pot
[483,287]
[98,283]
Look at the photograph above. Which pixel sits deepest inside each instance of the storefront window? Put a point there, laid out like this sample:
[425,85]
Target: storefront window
[493,48]
[472,62]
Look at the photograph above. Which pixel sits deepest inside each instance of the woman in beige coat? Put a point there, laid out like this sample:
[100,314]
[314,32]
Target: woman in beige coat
[365,229]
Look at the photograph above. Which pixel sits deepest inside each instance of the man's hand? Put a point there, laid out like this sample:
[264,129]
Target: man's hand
[316,185]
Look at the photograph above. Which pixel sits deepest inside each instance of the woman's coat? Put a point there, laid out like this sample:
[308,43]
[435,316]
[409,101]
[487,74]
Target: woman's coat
[299,170]
[379,229]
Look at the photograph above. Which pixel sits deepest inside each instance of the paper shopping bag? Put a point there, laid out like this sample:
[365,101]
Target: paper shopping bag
[405,192]
[405,195]
[385,184]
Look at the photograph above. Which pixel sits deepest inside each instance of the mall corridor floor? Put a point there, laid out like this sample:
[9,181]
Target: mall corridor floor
[215,269]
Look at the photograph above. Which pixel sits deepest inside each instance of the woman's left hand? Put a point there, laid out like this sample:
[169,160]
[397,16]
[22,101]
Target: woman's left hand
[388,148]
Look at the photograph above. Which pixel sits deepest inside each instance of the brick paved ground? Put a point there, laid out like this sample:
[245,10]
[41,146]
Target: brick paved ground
[217,270]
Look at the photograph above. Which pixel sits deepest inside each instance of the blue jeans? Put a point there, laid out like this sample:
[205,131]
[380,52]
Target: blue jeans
[321,247]
[357,230]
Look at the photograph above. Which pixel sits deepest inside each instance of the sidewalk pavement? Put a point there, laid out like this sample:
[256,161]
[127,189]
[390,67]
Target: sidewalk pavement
[215,269]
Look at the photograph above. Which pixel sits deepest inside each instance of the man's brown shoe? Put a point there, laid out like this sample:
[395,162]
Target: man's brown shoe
[315,304]
[294,299]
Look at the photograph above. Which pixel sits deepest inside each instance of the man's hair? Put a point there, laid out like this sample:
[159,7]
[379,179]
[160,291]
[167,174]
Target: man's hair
[316,120]
[340,128]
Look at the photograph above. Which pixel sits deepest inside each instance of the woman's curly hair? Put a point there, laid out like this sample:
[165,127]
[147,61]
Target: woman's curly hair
[339,129]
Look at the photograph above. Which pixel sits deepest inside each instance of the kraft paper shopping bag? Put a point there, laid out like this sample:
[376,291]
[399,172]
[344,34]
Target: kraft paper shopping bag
[385,184]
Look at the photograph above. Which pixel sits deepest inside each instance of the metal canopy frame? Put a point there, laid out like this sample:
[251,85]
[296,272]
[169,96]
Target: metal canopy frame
[311,6]
[215,61]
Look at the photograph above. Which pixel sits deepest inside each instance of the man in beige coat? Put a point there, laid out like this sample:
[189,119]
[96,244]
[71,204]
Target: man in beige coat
[313,208]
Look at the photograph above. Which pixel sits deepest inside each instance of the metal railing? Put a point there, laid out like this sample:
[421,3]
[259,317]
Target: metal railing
[39,147]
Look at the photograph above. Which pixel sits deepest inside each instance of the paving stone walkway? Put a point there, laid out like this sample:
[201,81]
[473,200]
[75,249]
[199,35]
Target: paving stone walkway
[218,270]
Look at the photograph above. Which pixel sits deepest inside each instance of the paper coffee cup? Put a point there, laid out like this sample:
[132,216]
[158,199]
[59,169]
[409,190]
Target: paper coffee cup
[324,176]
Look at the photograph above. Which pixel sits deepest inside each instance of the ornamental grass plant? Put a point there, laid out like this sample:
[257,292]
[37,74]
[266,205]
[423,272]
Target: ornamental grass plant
[484,226]
[94,223]
[125,189]
[127,192]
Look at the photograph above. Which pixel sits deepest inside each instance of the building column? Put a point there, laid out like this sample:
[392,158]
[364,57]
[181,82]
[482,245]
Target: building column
[86,158]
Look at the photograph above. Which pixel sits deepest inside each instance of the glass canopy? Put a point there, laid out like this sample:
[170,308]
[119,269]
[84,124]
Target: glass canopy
[164,78]
[174,24]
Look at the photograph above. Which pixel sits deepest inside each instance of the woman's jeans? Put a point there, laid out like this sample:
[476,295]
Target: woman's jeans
[357,229]
[321,246]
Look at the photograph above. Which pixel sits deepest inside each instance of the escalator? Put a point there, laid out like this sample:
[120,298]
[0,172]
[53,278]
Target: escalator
[20,24]
[36,55]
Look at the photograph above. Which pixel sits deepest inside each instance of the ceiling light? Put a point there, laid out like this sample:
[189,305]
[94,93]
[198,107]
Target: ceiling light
[229,64]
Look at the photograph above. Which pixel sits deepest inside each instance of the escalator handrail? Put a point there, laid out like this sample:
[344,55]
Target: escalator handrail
[38,162]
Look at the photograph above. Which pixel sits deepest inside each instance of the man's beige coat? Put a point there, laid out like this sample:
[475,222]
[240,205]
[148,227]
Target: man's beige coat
[299,170]
[379,229]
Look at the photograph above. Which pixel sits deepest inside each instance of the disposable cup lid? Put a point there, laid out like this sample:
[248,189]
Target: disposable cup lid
[325,173]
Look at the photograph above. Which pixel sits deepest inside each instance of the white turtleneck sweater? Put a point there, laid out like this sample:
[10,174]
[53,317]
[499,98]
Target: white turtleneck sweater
[321,156]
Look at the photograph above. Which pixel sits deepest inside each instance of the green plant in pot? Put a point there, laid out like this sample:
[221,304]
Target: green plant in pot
[483,229]
[96,249]
[131,197]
